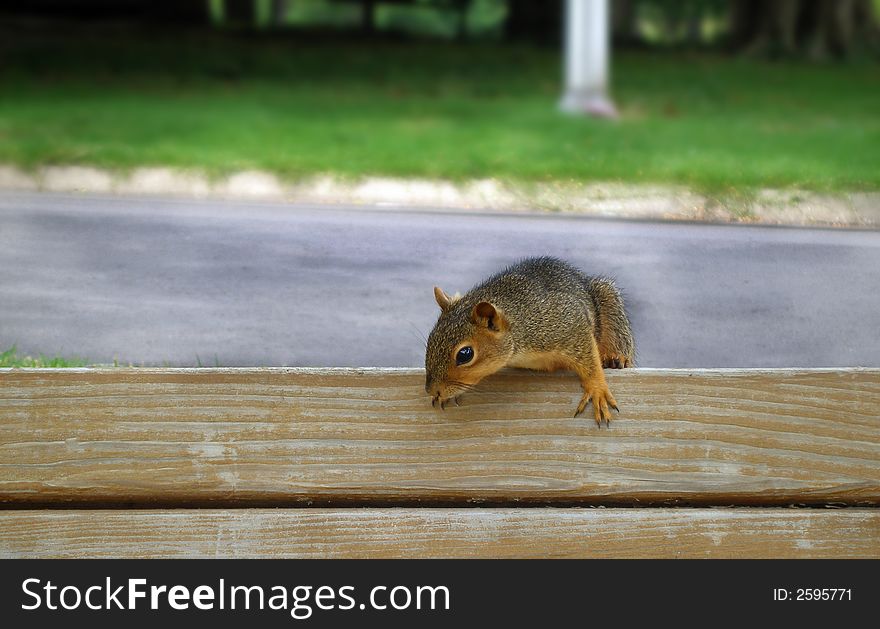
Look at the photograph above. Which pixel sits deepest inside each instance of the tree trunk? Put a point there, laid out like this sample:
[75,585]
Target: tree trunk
[538,22]
[279,13]
[462,7]
[180,12]
[867,25]
[743,16]
[624,29]
[368,16]
[694,34]
[840,27]
[240,13]
[816,29]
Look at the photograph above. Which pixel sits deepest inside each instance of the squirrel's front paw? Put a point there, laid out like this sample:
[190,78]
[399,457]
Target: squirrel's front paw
[603,402]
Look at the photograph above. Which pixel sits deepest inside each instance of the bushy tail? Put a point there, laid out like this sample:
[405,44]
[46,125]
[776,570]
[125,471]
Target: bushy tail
[613,332]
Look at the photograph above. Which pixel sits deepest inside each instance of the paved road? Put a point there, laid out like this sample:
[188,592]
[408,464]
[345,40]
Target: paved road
[177,283]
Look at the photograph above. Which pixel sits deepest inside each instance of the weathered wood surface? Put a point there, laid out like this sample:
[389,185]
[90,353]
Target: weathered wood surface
[181,437]
[432,533]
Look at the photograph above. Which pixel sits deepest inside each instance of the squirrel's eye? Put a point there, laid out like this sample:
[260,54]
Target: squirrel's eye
[465,355]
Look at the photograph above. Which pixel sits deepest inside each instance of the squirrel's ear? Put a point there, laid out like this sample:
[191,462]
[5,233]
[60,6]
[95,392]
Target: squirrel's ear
[487,315]
[443,300]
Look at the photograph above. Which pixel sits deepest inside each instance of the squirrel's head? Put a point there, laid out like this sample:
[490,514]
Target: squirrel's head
[469,342]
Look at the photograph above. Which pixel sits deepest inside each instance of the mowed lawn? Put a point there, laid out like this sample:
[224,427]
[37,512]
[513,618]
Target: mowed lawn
[299,107]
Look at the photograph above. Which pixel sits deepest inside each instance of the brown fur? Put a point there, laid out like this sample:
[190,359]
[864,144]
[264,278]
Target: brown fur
[542,314]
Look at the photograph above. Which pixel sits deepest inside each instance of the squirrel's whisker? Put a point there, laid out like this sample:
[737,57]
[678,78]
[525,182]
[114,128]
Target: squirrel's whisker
[419,333]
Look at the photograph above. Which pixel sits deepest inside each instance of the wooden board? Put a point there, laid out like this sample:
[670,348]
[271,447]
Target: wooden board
[431,533]
[188,437]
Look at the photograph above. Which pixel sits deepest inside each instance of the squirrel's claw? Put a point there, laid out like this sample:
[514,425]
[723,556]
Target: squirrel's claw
[616,362]
[436,401]
[602,400]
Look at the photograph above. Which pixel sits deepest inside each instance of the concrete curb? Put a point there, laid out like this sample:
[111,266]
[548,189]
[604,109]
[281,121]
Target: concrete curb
[614,200]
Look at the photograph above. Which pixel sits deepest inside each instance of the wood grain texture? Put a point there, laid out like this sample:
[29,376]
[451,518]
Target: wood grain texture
[434,533]
[184,437]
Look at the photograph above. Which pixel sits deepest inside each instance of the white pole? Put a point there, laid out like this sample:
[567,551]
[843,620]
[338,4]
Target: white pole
[586,59]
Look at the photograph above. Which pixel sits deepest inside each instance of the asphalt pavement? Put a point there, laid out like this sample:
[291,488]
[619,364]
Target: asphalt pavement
[164,282]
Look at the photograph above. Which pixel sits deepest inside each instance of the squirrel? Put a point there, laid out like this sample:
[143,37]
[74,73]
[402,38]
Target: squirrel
[541,313]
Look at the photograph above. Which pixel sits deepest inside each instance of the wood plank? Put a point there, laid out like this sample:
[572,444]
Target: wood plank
[451,533]
[184,437]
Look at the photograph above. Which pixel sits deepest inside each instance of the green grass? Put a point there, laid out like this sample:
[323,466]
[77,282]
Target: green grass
[441,110]
[10,358]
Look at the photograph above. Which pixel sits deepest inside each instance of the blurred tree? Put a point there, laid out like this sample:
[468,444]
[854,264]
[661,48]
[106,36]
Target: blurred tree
[239,13]
[462,7]
[368,16]
[279,13]
[539,22]
[447,18]
[816,28]
[180,12]
[624,27]
[676,22]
